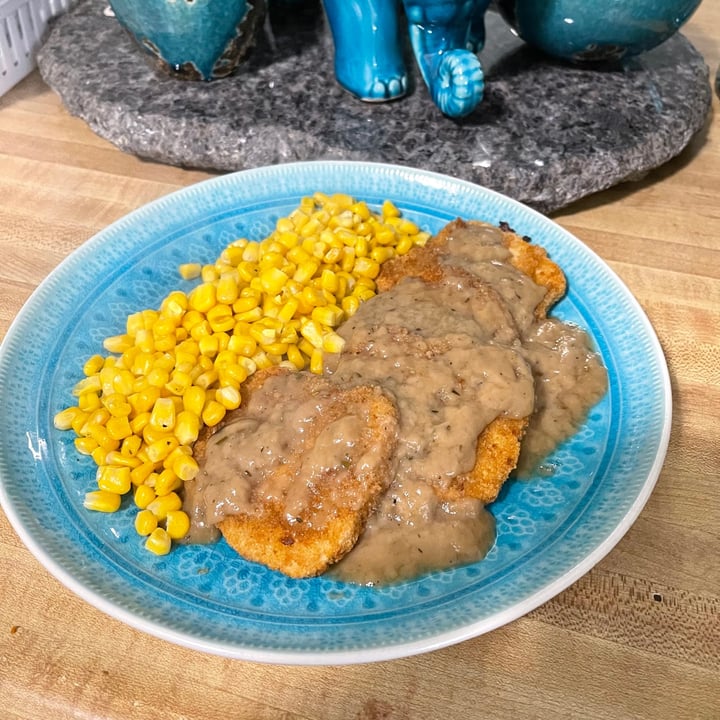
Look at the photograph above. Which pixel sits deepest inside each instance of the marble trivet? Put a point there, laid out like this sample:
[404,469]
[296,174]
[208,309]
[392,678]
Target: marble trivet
[546,133]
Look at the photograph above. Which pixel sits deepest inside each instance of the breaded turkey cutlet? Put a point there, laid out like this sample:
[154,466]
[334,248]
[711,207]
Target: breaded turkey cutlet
[303,538]
[498,447]
[338,504]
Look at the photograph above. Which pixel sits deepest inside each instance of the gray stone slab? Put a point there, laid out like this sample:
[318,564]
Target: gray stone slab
[547,133]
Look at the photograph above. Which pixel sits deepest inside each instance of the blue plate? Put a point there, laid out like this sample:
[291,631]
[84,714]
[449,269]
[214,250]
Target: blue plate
[551,530]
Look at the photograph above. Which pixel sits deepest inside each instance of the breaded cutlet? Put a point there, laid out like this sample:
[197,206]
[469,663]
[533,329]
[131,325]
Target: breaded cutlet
[338,502]
[498,447]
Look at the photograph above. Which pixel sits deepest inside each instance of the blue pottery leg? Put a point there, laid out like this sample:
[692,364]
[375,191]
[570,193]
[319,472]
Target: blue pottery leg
[476,40]
[440,33]
[368,55]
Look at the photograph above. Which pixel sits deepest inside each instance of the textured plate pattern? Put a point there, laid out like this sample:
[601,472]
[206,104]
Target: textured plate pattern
[550,530]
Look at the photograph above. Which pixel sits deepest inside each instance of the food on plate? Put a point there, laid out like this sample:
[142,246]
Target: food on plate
[178,369]
[345,396]
[458,343]
[314,459]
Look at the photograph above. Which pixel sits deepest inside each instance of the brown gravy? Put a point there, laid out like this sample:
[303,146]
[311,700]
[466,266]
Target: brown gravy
[453,355]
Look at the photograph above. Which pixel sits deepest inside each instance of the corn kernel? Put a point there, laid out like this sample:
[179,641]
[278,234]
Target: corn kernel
[114,479]
[89,401]
[167,482]
[116,457]
[143,496]
[312,333]
[145,522]
[316,361]
[213,413]
[160,506]
[162,416]
[194,400]
[190,271]
[177,524]
[119,428]
[117,343]
[296,357]
[88,384]
[99,455]
[185,467]
[158,542]
[102,501]
[229,397]
[64,419]
[329,315]
[161,448]
[85,445]
[187,427]
[333,343]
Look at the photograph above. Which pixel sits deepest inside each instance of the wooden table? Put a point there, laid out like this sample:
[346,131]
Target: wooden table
[637,637]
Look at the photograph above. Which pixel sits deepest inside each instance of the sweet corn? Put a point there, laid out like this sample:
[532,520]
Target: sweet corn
[213,413]
[102,501]
[177,524]
[145,522]
[185,467]
[143,496]
[187,427]
[158,542]
[161,505]
[167,482]
[114,479]
[64,419]
[190,271]
[162,416]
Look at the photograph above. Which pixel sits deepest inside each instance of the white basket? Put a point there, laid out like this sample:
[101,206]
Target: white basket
[22,30]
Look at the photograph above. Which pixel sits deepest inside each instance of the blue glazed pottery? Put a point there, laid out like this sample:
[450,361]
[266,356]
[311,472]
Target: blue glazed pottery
[445,36]
[192,39]
[596,30]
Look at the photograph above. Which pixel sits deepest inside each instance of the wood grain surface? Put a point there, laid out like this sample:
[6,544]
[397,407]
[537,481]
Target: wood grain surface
[637,637]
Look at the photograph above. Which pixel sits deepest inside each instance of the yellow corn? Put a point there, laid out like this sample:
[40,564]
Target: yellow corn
[167,482]
[159,449]
[119,428]
[162,416]
[185,467]
[158,542]
[143,496]
[102,501]
[228,397]
[118,458]
[145,522]
[177,524]
[88,384]
[213,413]
[187,427]
[64,419]
[316,361]
[85,445]
[161,505]
[190,271]
[114,479]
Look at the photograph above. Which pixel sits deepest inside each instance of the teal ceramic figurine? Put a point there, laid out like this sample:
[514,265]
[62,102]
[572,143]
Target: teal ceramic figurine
[193,39]
[445,35]
[596,30]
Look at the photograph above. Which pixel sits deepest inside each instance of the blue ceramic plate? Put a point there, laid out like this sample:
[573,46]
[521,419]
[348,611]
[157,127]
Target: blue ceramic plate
[551,530]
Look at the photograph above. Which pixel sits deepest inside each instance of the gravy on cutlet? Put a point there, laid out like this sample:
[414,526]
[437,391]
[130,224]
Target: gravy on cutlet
[454,355]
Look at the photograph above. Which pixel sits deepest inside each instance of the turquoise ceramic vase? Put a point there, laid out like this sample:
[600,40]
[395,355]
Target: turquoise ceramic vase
[596,30]
[192,39]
